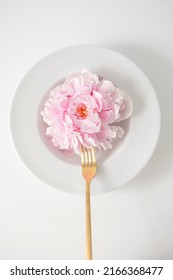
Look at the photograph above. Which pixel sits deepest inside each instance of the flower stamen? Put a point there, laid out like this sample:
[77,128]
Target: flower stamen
[81,111]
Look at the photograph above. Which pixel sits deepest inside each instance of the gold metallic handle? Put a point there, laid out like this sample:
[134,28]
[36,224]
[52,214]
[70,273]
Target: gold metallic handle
[88,224]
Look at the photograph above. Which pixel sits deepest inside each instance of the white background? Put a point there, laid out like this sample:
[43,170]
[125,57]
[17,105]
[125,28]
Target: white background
[132,222]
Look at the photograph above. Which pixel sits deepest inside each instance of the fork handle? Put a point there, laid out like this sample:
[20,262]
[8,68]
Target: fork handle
[88,224]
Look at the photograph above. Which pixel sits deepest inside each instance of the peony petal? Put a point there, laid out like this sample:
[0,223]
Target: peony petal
[126,108]
[98,99]
[105,86]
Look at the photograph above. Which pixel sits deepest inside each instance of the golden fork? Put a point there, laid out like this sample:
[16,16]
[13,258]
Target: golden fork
[89,168]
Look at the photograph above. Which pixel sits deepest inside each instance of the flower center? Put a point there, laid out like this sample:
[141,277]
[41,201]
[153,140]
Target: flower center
[81,111]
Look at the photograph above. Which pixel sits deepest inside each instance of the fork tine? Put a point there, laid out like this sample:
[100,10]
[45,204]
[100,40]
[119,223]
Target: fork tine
[82,156]
[89,157]
[93,156]
[85,156]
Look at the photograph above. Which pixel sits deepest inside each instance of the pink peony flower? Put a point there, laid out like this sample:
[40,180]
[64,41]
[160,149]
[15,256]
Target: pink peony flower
[85,110]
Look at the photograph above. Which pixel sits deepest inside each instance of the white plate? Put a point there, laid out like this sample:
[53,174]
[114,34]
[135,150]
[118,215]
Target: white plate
[115,167]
